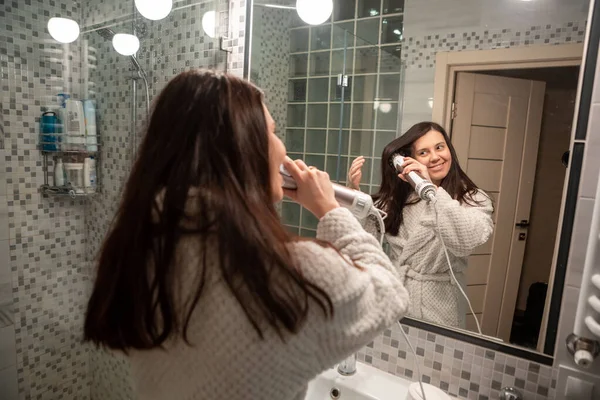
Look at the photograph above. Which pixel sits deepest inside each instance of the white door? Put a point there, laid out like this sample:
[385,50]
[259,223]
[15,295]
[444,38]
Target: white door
[495,131]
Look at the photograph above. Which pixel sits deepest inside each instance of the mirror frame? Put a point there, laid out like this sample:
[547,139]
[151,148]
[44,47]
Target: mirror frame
[574,169]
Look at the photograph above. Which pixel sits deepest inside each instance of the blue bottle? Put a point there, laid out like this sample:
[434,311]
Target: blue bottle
[50,130]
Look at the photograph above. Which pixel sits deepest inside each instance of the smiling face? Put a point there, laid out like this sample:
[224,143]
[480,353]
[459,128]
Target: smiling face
[432,151]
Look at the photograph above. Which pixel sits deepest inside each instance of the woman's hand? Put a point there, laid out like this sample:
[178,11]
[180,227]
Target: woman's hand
[355,172]
[409,165]
[314,190]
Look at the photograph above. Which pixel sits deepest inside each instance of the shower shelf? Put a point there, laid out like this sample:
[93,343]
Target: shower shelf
[68,191]
[68,155]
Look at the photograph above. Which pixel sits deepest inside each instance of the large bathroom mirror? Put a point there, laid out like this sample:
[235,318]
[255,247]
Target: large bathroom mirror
[501,76]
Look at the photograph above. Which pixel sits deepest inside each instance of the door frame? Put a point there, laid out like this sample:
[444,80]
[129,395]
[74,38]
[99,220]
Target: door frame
[448,64]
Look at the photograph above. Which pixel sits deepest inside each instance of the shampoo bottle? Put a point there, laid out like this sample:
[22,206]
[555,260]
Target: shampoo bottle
[59,173]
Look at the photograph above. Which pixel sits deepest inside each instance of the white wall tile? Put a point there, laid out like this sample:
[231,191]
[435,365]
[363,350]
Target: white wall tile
[8,351]
[591,160]
[8,383]
[579,241]
[567,319]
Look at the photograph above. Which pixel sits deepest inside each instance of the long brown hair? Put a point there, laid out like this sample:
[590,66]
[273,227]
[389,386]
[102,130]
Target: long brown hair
[394,193]
[207,131]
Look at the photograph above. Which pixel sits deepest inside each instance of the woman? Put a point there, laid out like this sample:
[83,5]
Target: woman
[198,281]
[464,216]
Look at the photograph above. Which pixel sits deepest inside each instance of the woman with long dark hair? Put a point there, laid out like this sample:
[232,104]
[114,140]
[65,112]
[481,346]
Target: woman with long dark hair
[464,216]
[200,284]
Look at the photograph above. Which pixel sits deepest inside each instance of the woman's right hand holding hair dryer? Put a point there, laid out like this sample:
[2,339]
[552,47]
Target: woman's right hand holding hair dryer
[314,190]
[355,172]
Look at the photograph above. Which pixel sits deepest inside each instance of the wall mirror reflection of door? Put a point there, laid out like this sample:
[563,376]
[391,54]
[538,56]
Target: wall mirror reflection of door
[349,86]
[510,117]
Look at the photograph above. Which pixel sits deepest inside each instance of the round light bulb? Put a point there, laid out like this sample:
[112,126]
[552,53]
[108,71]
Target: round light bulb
[314,12]
[385,107]
[126,44]
[63,30]
[209,23]
[154,9]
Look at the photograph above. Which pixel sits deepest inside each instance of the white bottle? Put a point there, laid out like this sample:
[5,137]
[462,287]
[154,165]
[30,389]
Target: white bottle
[89,175]
[89,112]
[75,124]
[59,173]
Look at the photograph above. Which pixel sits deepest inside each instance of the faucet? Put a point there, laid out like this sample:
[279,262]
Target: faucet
[348,366]
[510,393]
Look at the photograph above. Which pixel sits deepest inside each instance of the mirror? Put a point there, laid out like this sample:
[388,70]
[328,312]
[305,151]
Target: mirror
[499,76]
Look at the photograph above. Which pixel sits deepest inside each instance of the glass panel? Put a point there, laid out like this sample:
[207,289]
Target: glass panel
[315,161]
[389,87]
[337,61]
[318,89]
[336,91]
[332,170]
[390,58]
[290,213]
[298,64]
[317,116]
[295,115]
[391,30]
[387,116]
[343,9]
[363,116]
[320,37]
[334,116]
[333,141]
[376,171]
[381,140]
[368,30]
[361,143]
[315,140]
[308,233]
[393,6]
[308,219]
[339,32]
[366,60]
[319,63]
[294,140]
[368,8]
[297,90]
[364,88]
[299,40]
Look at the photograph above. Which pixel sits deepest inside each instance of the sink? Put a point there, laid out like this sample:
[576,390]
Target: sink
[368,383]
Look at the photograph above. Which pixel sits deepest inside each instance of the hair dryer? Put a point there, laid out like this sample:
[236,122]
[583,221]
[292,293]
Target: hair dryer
[425,189]
[359,203]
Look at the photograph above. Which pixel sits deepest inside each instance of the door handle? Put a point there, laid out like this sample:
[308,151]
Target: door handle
[523,224]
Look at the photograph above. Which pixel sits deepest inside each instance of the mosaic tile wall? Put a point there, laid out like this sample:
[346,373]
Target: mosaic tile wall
[463,370]
[484,26]
[168,47]
[45,236]
[270,60]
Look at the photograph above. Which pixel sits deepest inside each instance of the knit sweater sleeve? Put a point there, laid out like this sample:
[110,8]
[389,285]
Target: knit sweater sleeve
[360,280]
[465,226]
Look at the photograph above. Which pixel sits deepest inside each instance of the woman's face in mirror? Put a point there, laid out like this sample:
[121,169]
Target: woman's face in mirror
[432,151]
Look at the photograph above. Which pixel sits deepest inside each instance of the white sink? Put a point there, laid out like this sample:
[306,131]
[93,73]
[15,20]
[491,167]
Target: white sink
[368,383]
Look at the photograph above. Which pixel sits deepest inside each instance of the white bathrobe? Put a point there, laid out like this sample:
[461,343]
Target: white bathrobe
[419,258]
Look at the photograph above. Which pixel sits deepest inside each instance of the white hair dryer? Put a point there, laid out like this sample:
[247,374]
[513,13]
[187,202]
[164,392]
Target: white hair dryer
[359,203]
[425,189]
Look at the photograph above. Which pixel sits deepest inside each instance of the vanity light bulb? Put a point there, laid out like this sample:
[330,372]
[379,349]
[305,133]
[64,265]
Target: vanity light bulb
[63,30]
[154,9]
[126,44]
[314,12]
